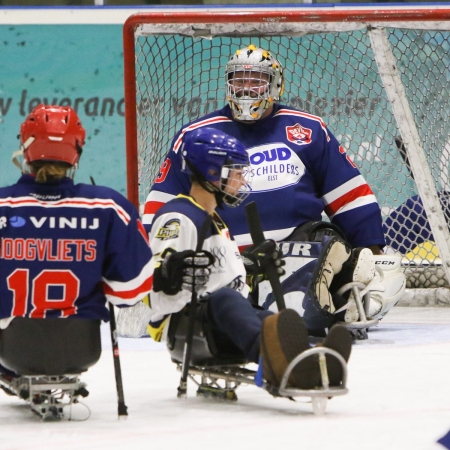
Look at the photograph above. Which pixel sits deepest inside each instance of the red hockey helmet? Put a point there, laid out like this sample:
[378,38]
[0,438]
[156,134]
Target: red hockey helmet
[52,133]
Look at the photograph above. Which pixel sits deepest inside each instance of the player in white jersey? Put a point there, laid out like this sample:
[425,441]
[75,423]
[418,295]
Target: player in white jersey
[300,171]
[218,167]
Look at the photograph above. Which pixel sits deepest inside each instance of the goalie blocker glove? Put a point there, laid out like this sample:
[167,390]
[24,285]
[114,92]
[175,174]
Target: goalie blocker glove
[187,270]
[256,258]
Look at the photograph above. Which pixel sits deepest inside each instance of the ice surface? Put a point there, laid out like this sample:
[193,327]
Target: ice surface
[399,399]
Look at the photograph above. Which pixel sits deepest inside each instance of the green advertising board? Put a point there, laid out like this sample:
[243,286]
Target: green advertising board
[76,65]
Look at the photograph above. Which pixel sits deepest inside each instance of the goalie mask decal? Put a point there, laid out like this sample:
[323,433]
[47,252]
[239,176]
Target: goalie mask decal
[299,135]
[170,230]
[254,81]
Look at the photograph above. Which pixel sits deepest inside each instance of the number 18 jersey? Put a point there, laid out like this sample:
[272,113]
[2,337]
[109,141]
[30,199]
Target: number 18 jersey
[66,249]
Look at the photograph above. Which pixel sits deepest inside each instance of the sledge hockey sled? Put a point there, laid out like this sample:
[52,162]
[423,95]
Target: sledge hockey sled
[219,376]
[50,355]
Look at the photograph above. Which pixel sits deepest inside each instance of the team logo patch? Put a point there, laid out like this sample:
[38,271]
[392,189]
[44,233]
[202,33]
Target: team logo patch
[274,166]
[220,256]
[170,230]
[17,221]
[298,135]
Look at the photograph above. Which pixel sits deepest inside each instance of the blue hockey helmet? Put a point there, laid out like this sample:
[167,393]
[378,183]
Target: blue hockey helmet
[212,156]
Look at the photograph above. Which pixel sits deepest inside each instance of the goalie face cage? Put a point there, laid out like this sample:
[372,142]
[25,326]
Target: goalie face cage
[380,79]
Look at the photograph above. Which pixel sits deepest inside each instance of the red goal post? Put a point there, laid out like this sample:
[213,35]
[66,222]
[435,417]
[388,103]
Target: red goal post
[378,76]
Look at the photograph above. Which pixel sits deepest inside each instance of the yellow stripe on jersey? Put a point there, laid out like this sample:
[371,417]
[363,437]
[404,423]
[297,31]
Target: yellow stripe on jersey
[156,333]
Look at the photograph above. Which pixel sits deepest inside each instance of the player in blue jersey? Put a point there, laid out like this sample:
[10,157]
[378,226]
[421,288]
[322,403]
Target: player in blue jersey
[86,239]
[65,249]
[218,167]
[300,171]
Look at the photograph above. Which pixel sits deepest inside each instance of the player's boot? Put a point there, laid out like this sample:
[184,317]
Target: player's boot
[340,340]
[360,267]
[283,337]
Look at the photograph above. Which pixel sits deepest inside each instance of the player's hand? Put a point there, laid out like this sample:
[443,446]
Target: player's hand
[188,270]
[257,257]
[197,270]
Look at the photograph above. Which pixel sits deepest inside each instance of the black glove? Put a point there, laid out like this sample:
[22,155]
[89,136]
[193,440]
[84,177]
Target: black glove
[182,270]
[257,257]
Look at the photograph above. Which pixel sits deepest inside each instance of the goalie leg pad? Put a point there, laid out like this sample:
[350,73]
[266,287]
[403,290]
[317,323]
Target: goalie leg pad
[132,322]
[359,268]
[318,302]
[389,288]
[333,256]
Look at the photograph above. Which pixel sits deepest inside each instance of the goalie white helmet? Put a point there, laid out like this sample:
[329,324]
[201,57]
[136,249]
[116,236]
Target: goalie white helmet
[254,81]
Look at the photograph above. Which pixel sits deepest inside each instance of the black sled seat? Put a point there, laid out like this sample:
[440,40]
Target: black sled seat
[50,346]
[206,351]
[216,367]
[49,355]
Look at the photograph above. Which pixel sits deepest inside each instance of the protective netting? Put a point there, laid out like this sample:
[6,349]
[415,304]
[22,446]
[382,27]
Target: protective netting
[332,75]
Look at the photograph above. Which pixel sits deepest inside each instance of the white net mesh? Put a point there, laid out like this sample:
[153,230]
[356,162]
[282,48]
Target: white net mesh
[180,77]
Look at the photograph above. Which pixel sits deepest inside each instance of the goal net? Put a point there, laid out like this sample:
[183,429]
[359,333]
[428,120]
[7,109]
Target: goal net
[380,79]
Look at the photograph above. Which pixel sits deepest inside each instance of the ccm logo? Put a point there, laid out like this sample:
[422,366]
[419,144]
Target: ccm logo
[385,263]
[64,222]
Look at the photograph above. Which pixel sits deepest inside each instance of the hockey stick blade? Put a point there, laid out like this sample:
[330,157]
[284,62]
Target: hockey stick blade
[182,388]
[257,234]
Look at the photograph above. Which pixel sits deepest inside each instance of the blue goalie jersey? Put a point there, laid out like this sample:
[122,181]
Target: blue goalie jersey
[66,249]
[299,172]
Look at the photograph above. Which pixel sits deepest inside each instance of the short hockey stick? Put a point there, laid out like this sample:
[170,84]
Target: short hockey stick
[121,407]
[257,234]
[182,388]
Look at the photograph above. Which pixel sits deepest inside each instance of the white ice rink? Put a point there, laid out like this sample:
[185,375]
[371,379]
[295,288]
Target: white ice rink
[399,399]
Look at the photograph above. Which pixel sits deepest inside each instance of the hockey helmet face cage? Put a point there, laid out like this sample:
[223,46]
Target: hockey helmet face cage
[220,161]
[254,81]
[235,182]
[52,133]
